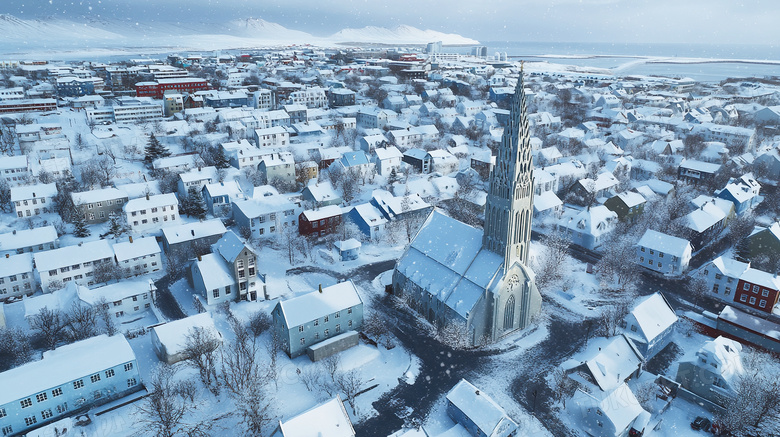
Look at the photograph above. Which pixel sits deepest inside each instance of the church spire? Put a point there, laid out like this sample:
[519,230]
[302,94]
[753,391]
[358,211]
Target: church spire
[510,196]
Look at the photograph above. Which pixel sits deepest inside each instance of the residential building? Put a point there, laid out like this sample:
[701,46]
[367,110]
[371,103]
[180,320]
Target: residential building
[72,263]
[98,205]
[369,219]
[321,221]
[220,196]
[198,178]
[16,276]
[329,419]
[605,364]
[32,200]
[277,165]
[765,241]
[126,299]
[157,89]
[713,372]
[742,192]
[612,414]
[74,86]
[722,275]
[373,117]
[177,163]
[708,219]
[586,190]
[170,339]
[150,213]
[268,215]
[386,159]
[650,324]
[189,238]
[313,97]
[588,228]
[477,412]
[138,256]
[28,105]
[663,253]
[243,154]
[276,136]
[29,240]
[14,169]
[340,97]
[697,172]
[628,205]
[229,273]
[68,380]
[323,314]
[758,289]
[321,194]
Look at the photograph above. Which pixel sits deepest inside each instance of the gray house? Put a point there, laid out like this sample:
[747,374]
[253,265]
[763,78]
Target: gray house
[333,313]
[713,372]
[97,205]
[189,236]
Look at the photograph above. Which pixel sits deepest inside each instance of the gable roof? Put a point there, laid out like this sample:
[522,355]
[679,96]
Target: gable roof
[481,409]
[329,419]
[654,316]
[230,246]
[664,243]
[315,305]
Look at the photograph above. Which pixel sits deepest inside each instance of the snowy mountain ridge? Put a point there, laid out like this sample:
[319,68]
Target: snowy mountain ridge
[89,34]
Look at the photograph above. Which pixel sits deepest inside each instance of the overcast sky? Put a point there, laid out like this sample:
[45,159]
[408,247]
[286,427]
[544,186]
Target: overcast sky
[695,21]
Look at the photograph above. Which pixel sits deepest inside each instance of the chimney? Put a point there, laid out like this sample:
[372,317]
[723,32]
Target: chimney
[477,392]
[193,232]
[33,193]
[200,258]
[130,238]
[320,288]
[7,255]
[147,196]
[14,231]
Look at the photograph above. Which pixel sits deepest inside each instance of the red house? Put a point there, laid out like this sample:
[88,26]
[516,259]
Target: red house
[158,88]
[758,289]
[319,221]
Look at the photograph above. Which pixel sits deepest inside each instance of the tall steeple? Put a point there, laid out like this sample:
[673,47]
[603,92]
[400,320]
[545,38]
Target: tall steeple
[510,197]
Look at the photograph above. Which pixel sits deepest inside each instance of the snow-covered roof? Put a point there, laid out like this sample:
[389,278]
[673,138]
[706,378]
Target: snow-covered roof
[653,315]
[725,354]
[322,191]
[664,243]
[762,278]
[76,254]
[315,305]
[388,153]
[33,191]
[229,246]
[140,189]
[16,264]
[329,419]
[323,212]
[173,335]
[751,322]
[191,231]
[214,272]
[258,206]
[128,250]
[595,221]
[546,200]
[631,198]
[740,192]
[704,167]
[609,360]
[63,365]
[100,195]
[157,201]
[730,267]
[481,409]
[114,292]
[347,244]
[199,174]
[27,237]
[619,406]
[229,188]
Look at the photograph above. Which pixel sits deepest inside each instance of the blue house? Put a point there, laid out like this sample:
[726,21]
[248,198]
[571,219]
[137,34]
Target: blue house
[743,193]
[67,380]
[348,250]
[369,219]
[474,410]
[74,87]
[500,93]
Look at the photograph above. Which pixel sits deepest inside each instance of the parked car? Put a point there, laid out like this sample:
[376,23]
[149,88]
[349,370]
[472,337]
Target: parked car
[701,423]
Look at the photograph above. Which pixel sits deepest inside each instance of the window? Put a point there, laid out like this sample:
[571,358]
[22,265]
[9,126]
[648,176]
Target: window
[633,328]
[338,314]
[215,293]
[743,298]
[95,378]
[755,289]
[316,322]
[40,397]
[78,384]
[652,252]
[300,328]
[715,288]
[338,328]
[7,430]
[303,341]
[118,303]
[349,311]
[660,254]
[29,421]
[26,403]
[62,408]
[109,373]
[56,392]
[642,249]
[316,335]
[752,300]
[727,292]
[45,414]
[717,275]
[128,367]
[746,286]
[349,323]
[131,382]
[227,289]
[762,303]
[326,319]
[2,413]
[641,259]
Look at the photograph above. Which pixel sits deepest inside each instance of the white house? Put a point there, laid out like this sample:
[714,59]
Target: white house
[125,299]
[607,414]
[277,165]
[169,339]
[477,412]
[152,212]
[72,263]
[386,159]
[276,136]
[16,276]
[663,253]
[138,256]
[589,227]
[14,169]
[196,178]
[713,372]
[722,275]
[443,161]
[650,324]
[219,197]
[29,240]
[32,200]
[267,215]
[329,419]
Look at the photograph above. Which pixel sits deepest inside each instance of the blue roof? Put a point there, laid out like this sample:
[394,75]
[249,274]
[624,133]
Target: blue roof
[352,159]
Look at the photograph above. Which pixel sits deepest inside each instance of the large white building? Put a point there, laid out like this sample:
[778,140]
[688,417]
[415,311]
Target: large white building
[126,298]
[72,263]
[14,169]
[139,256]
[276,136]
[267,215]
[16,276]
[152,212]
[32,200]
[663,253]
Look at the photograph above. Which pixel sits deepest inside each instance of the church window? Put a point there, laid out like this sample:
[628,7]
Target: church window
[509,313]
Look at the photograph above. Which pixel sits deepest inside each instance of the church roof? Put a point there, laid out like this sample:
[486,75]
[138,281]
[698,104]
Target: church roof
[457,270]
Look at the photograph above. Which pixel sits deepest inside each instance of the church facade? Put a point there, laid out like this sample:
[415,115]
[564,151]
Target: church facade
[454,273]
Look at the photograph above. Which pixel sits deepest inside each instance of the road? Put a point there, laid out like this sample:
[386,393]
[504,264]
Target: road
[165,300]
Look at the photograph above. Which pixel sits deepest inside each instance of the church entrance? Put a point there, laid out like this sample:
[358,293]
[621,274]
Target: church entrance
[509,313]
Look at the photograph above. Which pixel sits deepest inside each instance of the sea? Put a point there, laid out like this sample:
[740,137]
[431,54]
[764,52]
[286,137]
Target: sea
[701,62]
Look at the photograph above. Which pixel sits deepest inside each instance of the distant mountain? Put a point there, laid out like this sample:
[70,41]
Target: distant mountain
[398,35]
[89,34]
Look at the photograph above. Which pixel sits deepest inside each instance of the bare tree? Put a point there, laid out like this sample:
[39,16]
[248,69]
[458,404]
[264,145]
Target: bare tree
[550,263]
[104,314]
[272,347]
[82,321]
[454,335]
[611,317]
[15,348]
[350,383]
[375,326]
[311,376]
[50,324]
[259,323]
[200,352]
[169,409]
[5,196]
[562,386]
[697,288]
[331,366]
[753,409]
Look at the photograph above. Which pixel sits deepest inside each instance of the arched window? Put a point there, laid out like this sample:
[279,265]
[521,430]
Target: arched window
[509,313]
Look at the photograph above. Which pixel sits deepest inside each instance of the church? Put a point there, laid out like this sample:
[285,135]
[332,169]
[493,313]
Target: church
[455,273]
